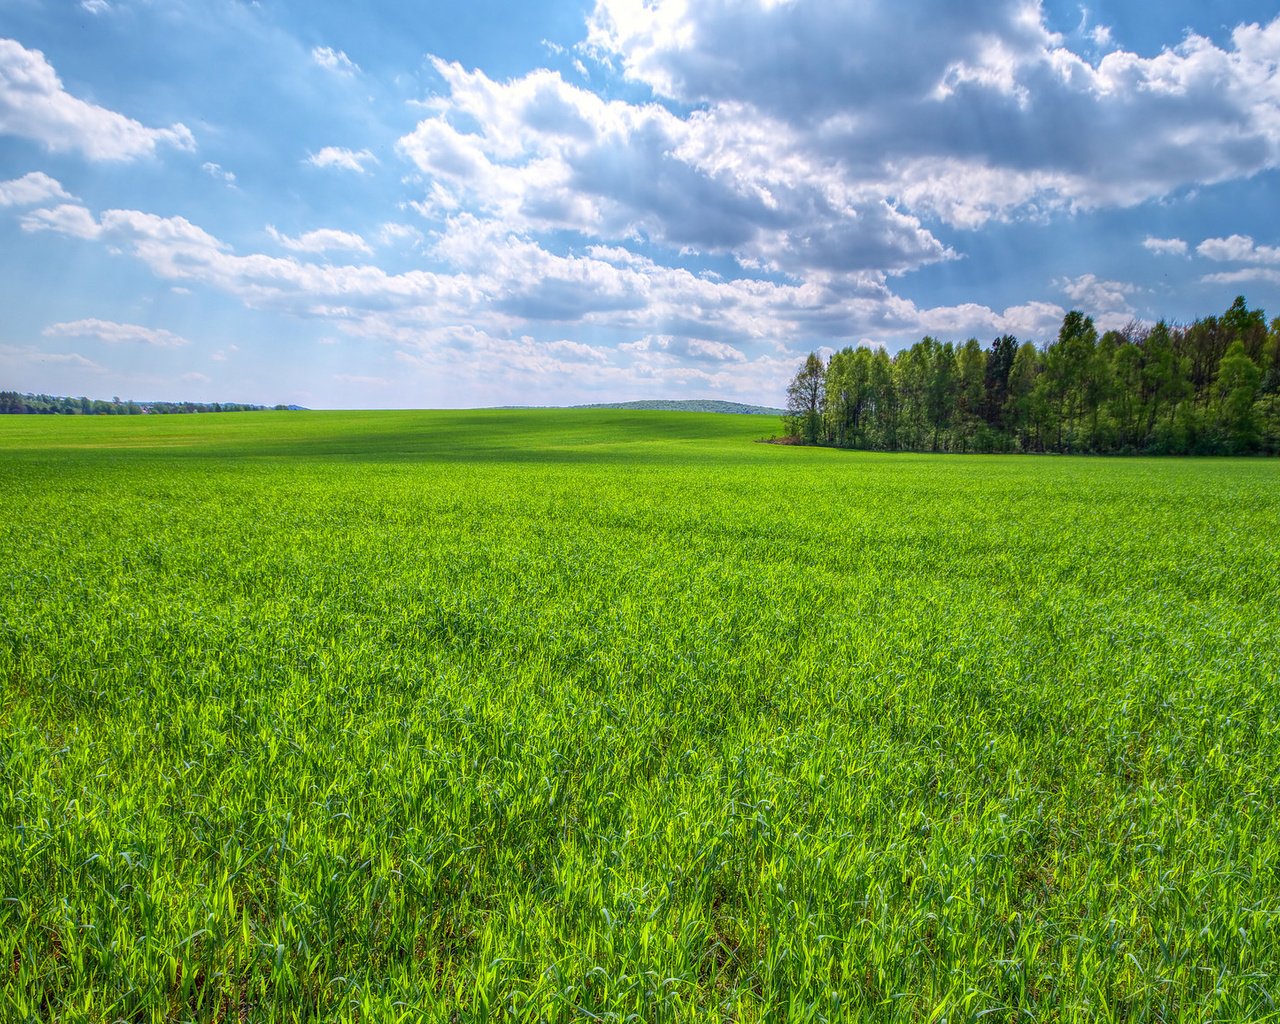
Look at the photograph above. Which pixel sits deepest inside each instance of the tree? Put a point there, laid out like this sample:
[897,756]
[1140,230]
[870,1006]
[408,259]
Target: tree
[940,401]
[971,370]
[883,431]
[999,365]
[1020,411]
[1247,326]
[805,395]
[847,393]
[1237,387]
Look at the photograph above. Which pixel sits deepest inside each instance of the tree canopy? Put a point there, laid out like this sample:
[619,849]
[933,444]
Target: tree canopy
[1210,387]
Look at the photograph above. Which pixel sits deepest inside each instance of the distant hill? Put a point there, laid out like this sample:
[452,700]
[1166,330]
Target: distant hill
[693,405]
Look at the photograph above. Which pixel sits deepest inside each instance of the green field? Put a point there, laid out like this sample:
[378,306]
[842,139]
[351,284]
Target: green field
[560,715]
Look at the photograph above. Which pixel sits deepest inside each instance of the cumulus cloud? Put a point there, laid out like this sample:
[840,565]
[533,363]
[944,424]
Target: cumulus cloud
[952,126]
[1241,249]
[1165,246]
[36,187]
[1238,249]
[507,294]
[1099,296]
[539,153]
[322,240]
[343,159]
[68,219]
[34,105]
[116,333]
[95,6]
[801,138]
[334,60]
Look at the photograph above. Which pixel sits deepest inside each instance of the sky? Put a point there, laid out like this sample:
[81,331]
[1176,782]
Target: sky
[549,202]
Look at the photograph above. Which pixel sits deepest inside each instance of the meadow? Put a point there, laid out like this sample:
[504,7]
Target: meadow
[606,715]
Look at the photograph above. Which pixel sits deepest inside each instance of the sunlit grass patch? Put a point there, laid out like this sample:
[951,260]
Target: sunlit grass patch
[546,715]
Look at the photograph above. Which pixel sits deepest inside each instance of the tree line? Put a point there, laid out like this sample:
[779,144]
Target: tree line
[61,405]
[1210,387]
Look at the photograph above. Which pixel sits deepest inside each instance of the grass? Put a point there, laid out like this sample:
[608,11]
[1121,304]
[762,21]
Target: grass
[559,715]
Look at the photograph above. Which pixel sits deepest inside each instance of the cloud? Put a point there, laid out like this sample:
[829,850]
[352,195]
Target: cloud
[343,159]
[36,187]
[1241,249]
[952,126]
[334,60]
[95,6]
[1165,246]
[1099,296]
[196,377]
[1264,275]
[222,355]
[218,172]
[115,333]
[541,154]
[399,234]
[508,296]
[322,240]
[67,219]
[25,356]
[34,105]
[1238,249]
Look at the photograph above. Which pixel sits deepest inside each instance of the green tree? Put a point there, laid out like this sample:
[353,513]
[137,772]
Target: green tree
[971,370]
[805,397]
[1021,409]
[883,428]
[1236,389]
[940,403]
[999,365]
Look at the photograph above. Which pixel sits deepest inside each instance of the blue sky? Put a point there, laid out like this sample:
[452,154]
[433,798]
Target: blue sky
[483,203]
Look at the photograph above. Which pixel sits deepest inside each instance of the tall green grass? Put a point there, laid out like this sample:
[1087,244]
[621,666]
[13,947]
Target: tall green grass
[600,715]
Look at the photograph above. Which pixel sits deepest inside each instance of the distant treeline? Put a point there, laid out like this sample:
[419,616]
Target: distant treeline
[1210,387]
[13,402]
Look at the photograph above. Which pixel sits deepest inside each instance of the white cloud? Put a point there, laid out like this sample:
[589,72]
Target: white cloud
[116,333]
[222,355]
[36,187]
[1238,249]
[539,153]
[952,126]
[1241,249]
[1264,275]
[66,219]
[343,159]
[1165,246]
[334,60]
[95,6]
[322,240]
[34,105]
[218,172]
[1099,296]
[506,295]
[399,234]
[196,377]
[26,356]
